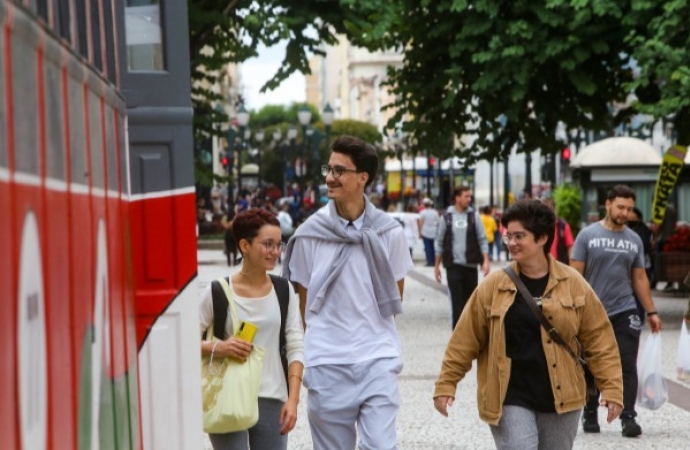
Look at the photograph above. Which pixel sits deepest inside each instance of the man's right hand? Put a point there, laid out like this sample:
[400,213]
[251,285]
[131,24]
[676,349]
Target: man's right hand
[437,273]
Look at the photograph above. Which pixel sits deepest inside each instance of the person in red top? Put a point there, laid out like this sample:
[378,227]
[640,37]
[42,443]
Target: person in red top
[563,237]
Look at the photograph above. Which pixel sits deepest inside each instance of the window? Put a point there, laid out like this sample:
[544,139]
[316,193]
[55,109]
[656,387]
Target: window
[54,120]
[111,151]
[144,35]
[25,105]
[76,132]
[96,141]
[3,105]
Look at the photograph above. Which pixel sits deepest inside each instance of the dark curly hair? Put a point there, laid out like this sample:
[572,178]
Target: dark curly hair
[363,155]
[535,216]
[248,223]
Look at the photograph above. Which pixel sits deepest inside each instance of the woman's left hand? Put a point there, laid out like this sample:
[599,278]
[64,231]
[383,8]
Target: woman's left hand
[614,409]
[288,417]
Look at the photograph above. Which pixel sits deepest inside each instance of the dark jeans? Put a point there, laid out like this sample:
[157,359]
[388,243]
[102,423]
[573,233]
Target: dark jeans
[462,281]
[627,327]
[429,251]
[491,251]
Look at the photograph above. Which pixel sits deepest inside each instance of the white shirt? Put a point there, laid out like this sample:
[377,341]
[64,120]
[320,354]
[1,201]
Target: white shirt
[349,328]
[264,312]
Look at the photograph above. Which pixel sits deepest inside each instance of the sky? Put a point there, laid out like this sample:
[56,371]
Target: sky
[256,71]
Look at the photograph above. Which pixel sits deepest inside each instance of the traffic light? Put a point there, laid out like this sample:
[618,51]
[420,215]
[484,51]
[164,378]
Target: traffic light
[565,159]
[224,159]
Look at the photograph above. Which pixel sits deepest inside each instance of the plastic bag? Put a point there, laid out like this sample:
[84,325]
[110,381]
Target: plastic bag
[652,392]
[683,356]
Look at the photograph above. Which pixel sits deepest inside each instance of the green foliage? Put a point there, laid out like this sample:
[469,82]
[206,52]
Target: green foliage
[661,45]
[568,199]
[508,71]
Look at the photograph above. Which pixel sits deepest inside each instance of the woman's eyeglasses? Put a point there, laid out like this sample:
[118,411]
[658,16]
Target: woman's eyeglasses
[272,246]
[337,170]
[518,237]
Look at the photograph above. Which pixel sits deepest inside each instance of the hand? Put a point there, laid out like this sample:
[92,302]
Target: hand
[234,347]
[486,267]
[288,417]
[654,323]
[614,410]
[442,404]
[437,273]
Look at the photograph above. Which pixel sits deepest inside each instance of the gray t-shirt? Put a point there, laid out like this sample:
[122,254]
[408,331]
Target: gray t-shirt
[609,258]
[430,220]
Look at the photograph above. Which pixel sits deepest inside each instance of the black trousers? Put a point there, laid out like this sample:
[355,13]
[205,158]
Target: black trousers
[627,327]
[462,281]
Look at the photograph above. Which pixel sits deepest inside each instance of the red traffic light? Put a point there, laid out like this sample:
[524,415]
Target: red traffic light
[224,160]
[432,161]
[565,154]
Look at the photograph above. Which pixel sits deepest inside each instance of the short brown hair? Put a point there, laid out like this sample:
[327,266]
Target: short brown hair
[248,223]
[622,191]
[363,155]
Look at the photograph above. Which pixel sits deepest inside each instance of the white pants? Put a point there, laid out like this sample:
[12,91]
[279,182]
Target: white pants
[342,397]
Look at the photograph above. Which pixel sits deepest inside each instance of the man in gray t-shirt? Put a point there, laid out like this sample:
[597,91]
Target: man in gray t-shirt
[611,258]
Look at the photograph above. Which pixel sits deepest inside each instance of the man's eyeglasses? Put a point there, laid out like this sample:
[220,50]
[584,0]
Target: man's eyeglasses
[337,171]
[518,237]
[272,246]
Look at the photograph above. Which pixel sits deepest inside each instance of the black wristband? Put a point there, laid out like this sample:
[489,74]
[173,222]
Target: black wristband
[653,313]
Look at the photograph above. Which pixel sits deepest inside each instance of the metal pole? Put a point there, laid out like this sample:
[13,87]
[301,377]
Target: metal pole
[528,172]
[491,182]
[506,182]
[239,162]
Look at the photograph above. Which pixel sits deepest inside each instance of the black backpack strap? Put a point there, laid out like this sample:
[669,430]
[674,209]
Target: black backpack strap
[220,309]
[282,288]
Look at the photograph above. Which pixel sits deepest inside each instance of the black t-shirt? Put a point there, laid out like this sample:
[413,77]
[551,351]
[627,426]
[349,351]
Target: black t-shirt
[530,384]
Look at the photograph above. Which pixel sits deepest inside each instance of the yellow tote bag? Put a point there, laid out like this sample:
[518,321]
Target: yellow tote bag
[230,388]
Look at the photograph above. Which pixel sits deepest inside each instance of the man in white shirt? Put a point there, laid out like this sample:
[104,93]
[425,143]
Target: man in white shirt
[349,261]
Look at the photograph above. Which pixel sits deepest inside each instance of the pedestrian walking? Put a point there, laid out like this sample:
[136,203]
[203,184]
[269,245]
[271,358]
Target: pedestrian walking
[490,228]
[462,245]
[257,301]
[428,226]
[563,237]
[531,387]
[349,260]
[611,257]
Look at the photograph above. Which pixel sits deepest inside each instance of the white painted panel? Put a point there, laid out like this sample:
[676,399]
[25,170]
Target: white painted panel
[169,371]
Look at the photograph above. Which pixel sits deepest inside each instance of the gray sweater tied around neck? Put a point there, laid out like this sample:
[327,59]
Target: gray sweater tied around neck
[329,228]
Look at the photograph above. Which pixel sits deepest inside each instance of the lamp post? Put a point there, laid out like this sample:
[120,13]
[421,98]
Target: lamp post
[277,134]
[242,122]
[304,116]
[292,135]
[259,136]
[327,117]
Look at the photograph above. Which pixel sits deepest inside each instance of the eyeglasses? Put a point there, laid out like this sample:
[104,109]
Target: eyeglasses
[272,246]
[518,237]
[337,171]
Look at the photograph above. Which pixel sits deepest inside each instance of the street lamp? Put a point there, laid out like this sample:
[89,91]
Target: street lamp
[242,122]
[327,117]
[304,116]
[259,136]
[292,135]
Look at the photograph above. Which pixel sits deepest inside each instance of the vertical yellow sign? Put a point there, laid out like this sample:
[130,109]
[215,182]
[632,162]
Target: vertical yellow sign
[670,169]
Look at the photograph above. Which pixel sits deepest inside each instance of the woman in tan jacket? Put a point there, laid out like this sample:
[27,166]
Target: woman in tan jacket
[530,389]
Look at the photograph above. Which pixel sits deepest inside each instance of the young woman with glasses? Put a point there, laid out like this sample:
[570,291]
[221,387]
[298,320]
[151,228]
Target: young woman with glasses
[258,237]
[531,390]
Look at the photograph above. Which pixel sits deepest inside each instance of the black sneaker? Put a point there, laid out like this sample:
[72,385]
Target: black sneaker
[590,422]
[631,428]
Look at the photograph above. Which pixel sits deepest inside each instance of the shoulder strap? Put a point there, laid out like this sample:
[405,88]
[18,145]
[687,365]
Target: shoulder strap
[220,310]
[529,299]
[282,287]
[561,227]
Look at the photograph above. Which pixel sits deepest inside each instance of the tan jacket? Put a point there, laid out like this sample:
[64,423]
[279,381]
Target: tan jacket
[571,306]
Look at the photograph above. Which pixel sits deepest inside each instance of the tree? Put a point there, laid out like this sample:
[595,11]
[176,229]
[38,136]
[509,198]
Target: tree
[509,71]
[662,52]
[230,31]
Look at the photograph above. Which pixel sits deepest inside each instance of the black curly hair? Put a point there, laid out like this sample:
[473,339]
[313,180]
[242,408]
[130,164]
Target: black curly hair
[535,216]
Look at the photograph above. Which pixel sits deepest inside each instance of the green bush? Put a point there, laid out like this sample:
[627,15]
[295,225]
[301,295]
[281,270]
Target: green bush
[568,199]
